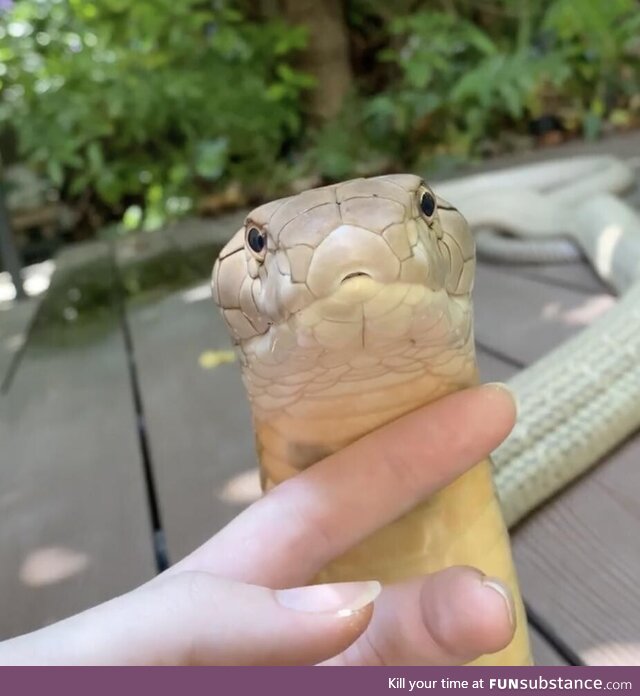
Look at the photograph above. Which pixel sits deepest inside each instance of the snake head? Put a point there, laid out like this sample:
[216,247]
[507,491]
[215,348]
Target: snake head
[299,249]
[367,279]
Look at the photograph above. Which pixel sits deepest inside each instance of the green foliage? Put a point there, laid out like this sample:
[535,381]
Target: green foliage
[135,109]
[137,102]
[464,75]
[599,43]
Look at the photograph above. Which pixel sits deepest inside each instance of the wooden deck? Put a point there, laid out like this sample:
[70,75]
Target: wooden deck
[122,448]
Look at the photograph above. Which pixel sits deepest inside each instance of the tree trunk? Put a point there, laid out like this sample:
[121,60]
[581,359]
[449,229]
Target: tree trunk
[327,54]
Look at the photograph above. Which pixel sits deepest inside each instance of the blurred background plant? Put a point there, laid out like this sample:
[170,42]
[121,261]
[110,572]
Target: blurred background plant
[128,107]
[141,111]
[471,78]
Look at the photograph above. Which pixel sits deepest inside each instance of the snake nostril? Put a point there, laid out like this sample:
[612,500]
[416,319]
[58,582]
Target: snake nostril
[355,274]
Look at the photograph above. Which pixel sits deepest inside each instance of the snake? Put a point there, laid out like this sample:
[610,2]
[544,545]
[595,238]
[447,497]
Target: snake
[350,305]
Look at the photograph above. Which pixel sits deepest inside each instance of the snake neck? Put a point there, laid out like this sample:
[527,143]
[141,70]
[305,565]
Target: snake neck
[335,372]
[460,525]
[327,420]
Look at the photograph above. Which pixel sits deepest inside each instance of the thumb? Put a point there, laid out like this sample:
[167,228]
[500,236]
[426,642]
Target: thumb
[199,619]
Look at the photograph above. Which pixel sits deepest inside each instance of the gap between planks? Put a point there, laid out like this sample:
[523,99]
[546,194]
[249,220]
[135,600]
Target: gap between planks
[74,522]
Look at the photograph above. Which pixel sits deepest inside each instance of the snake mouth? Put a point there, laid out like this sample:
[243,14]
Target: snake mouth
[355,274]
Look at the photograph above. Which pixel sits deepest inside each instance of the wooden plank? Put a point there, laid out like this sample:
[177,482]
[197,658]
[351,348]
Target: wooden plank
[74,521]
[15,318]
[524,318]
[579,560]
[197,416]
[544,654]
[492,367]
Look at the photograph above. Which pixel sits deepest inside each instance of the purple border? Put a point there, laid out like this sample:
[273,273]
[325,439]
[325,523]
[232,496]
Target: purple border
[314,681]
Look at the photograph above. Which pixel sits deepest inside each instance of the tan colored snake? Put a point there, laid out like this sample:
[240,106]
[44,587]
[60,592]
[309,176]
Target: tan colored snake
[349,306]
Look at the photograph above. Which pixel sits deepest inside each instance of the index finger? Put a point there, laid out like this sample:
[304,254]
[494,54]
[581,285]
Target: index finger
[285,538]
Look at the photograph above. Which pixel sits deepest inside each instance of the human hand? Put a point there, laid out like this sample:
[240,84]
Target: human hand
[215,607]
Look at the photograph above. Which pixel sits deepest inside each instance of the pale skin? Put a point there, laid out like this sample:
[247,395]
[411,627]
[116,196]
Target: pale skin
[224,604]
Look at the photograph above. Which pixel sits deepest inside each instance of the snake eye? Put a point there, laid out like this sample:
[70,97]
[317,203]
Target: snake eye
[427,204]
[257,241]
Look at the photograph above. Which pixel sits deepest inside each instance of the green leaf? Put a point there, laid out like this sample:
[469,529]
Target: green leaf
[55,172]
[94,156]
[480,40]
[132,218]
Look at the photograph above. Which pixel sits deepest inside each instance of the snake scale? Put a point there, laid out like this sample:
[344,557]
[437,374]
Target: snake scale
[350,305]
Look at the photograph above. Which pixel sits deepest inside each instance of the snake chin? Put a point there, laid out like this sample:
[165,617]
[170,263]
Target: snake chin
[390,333]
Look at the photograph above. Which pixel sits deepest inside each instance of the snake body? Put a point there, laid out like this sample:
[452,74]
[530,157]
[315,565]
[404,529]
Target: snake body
[583,398]
[349,306]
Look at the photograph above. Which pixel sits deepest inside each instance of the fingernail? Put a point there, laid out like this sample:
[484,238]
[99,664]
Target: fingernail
[501,386]
[342,598]
[504,592]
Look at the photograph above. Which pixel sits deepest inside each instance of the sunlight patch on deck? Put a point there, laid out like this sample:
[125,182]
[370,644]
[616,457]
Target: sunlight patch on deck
[35,278]
[592,309]
[242,489]
[52,564]
[583,315]
[613,652]
[14,342]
